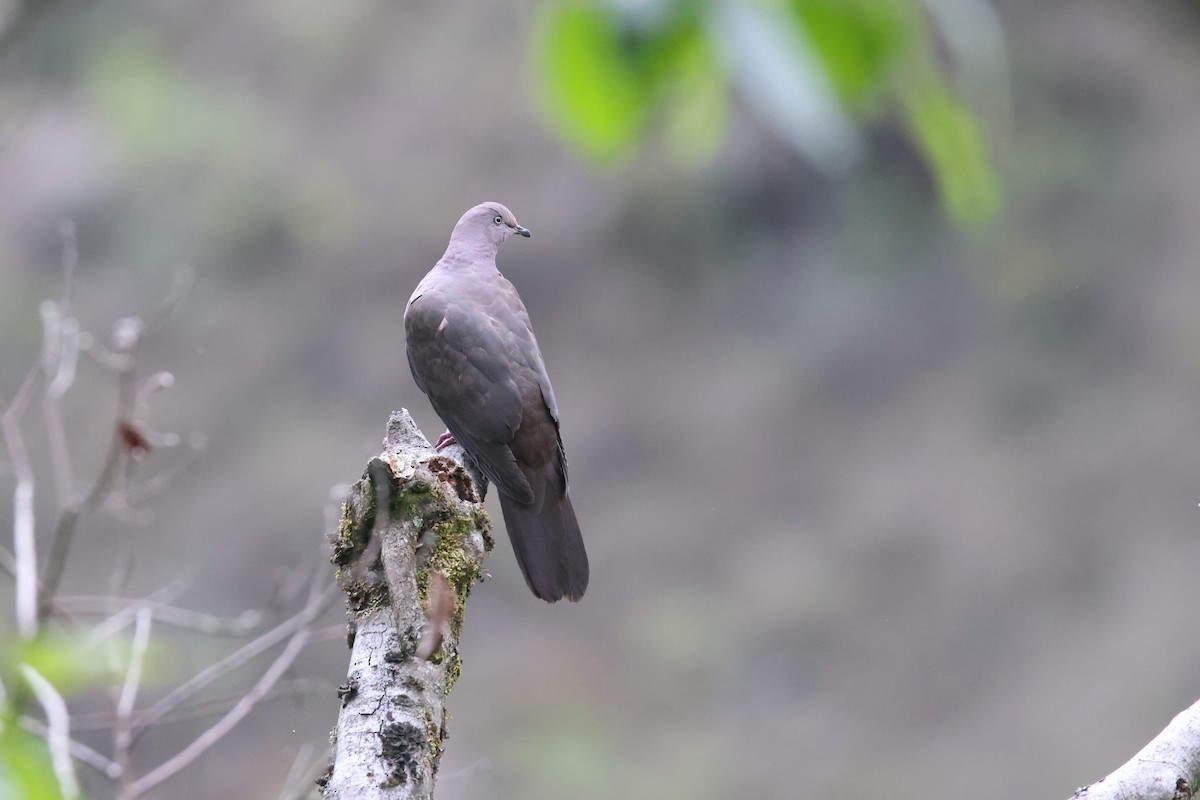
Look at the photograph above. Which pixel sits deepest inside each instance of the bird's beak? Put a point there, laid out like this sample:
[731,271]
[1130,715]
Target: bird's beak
[522,231]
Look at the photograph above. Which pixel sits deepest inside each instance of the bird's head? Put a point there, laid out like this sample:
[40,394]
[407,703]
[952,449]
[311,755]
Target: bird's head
[487,222]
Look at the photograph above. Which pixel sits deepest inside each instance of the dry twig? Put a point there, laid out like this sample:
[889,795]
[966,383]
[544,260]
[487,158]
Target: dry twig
[58,731]
[113,490]
[123,725]
[226,723]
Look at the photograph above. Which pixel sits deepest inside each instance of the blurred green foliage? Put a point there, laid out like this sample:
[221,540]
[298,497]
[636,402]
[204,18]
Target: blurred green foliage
[236,159]
[604,77]
[819,72]
[61,660]
[26,771]
[855,42]
[567,753]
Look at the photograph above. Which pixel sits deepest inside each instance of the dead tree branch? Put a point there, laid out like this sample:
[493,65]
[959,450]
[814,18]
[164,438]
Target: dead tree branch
[414,523]
[58,731]
[42,613]
[1168,768]
[24,541]
[235,715]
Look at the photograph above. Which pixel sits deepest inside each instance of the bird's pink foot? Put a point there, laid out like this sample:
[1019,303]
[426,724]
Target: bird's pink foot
[444,441]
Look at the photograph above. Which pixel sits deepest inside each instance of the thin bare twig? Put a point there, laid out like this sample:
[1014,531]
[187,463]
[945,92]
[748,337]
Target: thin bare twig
[61,343]
[226,723]
[235,659]
[122,609]
[300,763]
[125,615]
[24,394]
[153,486]
[126,337]
[296,687]
[112,490]
[303,774]
[123,726]
[61,354]
[122,568]
[61,340]
[82,753]
[292,583]
[150,387]
[180,286]
[330,633]
[24,542]
[58,731]
[60,545]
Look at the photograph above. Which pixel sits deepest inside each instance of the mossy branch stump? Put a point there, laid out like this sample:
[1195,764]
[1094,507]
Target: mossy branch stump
[409,548]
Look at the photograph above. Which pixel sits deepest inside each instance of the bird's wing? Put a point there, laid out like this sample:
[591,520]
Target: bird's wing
[535,385]
[470,355]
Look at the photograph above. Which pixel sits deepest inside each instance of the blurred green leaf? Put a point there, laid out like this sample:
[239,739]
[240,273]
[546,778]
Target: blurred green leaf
[58,659]
[780,78]
[605,73]
[25,769]
[856,41]
[949,137]
[815,70]
[698,103]
[593,94]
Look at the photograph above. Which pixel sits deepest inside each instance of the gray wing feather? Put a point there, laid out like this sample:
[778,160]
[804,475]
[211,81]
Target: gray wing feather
[456,359]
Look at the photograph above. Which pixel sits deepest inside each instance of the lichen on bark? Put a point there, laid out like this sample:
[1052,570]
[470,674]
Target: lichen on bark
[414,513]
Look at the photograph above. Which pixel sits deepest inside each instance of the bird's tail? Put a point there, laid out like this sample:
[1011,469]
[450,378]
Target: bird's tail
[549,547]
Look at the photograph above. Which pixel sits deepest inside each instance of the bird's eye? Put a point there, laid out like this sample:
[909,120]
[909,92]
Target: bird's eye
[499,220]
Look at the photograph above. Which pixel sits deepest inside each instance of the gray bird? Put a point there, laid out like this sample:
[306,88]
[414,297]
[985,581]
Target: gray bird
[472,350]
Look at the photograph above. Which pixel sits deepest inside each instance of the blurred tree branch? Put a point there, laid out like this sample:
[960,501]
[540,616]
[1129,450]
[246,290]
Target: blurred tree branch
[54,653]
[409,547]
[1168,768]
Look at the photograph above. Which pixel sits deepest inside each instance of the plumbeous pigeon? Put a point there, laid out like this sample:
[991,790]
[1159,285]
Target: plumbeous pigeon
[472,351]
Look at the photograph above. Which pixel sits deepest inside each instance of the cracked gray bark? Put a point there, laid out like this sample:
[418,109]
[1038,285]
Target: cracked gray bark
[409,547]
[1168,768]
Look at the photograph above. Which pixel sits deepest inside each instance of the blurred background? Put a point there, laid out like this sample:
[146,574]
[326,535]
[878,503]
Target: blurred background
[877,350]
